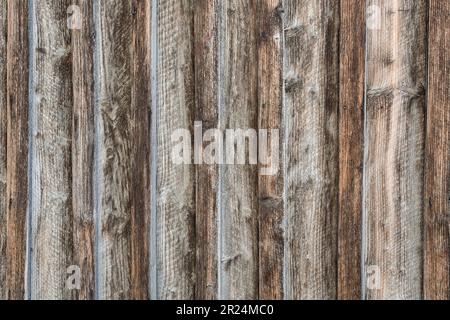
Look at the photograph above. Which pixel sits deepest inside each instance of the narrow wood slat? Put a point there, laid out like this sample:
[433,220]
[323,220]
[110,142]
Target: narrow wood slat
[51,180]
[175,183]
[17,147]
[239,108]
[394,160]
[123,149]
[312,172]
[437,171]
[83,148]
[351,146]
[206,108]
[3,122]
[271,204]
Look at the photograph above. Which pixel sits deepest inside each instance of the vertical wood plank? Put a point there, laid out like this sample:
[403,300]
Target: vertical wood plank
[239,105]
[17,147]
[175,183]
[124,148]
[51,207]
[437,174]
[394,160]
[312,102]
[351,146]
[271,187]
[83,148]
[206,99]
[3,31]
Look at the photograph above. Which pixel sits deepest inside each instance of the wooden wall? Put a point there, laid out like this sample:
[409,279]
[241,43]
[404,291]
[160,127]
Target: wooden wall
[360,94]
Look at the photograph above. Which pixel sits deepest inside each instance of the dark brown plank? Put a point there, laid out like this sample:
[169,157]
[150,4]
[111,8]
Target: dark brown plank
[437,174]
[394,162]
[123,118]
[83,148]
[312,172]
[351,147]
[206,82]
[271,184]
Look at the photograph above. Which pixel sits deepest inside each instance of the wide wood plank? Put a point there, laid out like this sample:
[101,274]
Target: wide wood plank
[3,122]
[437,171]
[351,139]
[394,159]
[238,105]
[206,110]
[17,147]
[270,117]
[123,115]
[175,183]
[83,147]
[312,172]
[51,171]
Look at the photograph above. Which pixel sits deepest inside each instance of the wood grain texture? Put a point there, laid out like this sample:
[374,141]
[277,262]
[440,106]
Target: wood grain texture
[437,170]
[51,180]
[351,147]
[175,183]
[83,149]
[206,111]
[312,103]
[394,160]
[3,124]
[124,148]
[239,107]
[17,148]
[270,117]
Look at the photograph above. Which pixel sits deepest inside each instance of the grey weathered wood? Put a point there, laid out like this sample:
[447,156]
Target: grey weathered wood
[270,117]
[175,183]
[394,160]
[351,146]
[206,111]
[437,170]
[239,110]
[83,149]
[51,180]
[123,36]
[312,172]
[3,28]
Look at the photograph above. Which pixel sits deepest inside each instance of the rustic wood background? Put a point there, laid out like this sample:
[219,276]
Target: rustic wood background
[360,91]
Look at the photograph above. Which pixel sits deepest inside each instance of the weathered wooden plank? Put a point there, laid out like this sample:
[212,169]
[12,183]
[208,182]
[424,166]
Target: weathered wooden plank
[3,122]
[394,160]
[83,145]
[437,171]
[206,99]
[271,186]
[123,34]
[17,147]
[351,146]
[51,175]
[239,110]
[175,183]
[312,102]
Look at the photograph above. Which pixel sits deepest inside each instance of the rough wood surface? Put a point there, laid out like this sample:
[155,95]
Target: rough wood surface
[17,148]
[206,107]
[123,36]
[312,172]
[437,170]
[394,159]
[3,234]
[175,183]
[270,117]
[351,146]
[239,108]
[51,180]
[83,149]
